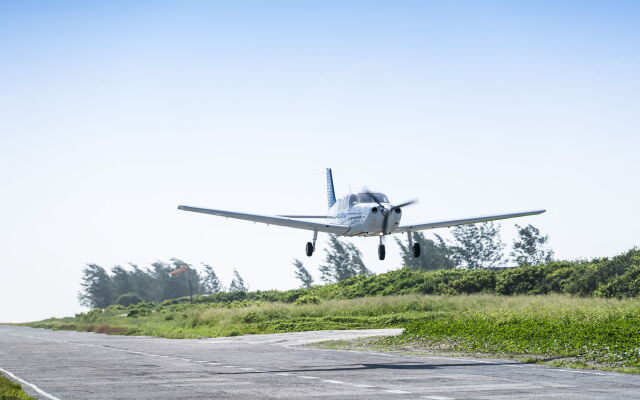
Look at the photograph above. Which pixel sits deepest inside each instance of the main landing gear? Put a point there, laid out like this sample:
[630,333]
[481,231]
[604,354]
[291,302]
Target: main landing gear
[311,247]
[415,247]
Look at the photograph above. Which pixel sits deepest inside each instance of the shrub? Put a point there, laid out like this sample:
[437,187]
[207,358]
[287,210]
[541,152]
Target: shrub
[307,299]
[129,299]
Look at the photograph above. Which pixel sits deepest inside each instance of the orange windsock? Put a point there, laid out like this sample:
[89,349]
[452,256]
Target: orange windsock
[178,271]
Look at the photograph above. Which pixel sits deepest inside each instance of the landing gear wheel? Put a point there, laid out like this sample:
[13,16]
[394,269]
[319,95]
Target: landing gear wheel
[310,249]
[416,250]
[381,252]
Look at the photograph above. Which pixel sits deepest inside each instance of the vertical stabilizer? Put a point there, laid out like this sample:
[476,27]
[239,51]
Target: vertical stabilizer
[331,194]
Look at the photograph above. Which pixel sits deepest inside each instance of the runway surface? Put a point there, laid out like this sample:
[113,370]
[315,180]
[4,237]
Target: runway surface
[78,365]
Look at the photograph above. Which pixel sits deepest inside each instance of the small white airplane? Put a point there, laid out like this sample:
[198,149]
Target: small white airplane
[361,214]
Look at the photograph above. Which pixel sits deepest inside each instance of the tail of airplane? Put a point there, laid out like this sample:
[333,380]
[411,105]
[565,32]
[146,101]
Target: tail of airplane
[331,194]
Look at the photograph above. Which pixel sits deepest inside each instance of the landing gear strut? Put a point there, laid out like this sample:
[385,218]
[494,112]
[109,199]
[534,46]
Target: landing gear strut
[311,247]
[381,249]
[415,247]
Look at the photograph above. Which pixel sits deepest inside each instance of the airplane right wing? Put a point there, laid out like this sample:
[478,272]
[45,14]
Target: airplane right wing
[265,219]
[454,222]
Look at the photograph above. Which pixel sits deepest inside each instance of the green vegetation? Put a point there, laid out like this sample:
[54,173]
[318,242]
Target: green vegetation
[596,332]
[12,391]
[184,320]
[583,312]
[569,331]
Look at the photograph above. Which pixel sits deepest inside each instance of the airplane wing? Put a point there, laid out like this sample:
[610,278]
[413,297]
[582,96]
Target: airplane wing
[454,222]
[264,219]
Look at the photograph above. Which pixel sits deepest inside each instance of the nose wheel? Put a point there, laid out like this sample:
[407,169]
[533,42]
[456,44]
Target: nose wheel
[381,249]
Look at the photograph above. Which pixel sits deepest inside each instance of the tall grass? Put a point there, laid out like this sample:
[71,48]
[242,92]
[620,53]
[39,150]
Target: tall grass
[12,391]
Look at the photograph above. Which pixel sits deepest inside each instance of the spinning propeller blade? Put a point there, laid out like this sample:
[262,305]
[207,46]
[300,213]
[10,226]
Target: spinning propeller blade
[386,212]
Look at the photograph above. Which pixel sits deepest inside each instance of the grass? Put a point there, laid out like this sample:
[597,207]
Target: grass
[558,329]
[578,332]
[215,319]
[12,391]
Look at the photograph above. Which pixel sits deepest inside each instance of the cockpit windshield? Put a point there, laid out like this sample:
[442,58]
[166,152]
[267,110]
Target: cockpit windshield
[369,198]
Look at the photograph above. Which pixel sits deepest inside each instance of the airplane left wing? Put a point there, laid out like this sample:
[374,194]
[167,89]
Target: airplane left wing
[280,221]
[454,222]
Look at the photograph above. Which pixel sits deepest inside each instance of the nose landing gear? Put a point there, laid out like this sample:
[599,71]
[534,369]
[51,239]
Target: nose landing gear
[381,249]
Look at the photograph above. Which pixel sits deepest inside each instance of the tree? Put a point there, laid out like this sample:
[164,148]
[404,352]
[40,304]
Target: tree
[302,274]
[530,247]
[96,287]
[477,245]
[433,254]
[142,281]
[343,260]
[210,281]
[188,282]
[237,284]
[121,282]
[166,286]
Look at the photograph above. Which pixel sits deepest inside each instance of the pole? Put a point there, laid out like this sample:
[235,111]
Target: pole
[190,286]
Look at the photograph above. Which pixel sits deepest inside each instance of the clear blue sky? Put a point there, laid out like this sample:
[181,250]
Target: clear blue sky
[113,113]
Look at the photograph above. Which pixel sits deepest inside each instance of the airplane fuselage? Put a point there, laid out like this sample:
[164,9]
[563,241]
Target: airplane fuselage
[365,218]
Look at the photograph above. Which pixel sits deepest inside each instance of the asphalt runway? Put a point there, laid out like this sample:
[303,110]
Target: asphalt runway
[77,365]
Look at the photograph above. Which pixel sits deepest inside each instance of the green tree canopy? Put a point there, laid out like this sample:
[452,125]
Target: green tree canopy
[237,284]
[530,247]
[477,245]
[210,281]
[96,287]
[343,260]
[434,254]
[302,274]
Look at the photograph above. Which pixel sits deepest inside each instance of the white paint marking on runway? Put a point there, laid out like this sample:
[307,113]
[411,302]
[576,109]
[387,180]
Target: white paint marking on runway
[336,382]
[359,385]
[200,361]
[31,385]
[230,366]
[437,398]
[213,363]
[394,391]
[580,372]
[307,377]
[284,374]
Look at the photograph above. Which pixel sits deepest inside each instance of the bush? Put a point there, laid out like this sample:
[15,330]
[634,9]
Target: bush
[307,299]
[138,312]
[129,299]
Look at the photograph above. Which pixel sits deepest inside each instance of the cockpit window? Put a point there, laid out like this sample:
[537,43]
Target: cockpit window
[353,199]
[370,198]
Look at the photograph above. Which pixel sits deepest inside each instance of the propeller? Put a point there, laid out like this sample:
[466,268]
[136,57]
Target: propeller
[386,212]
